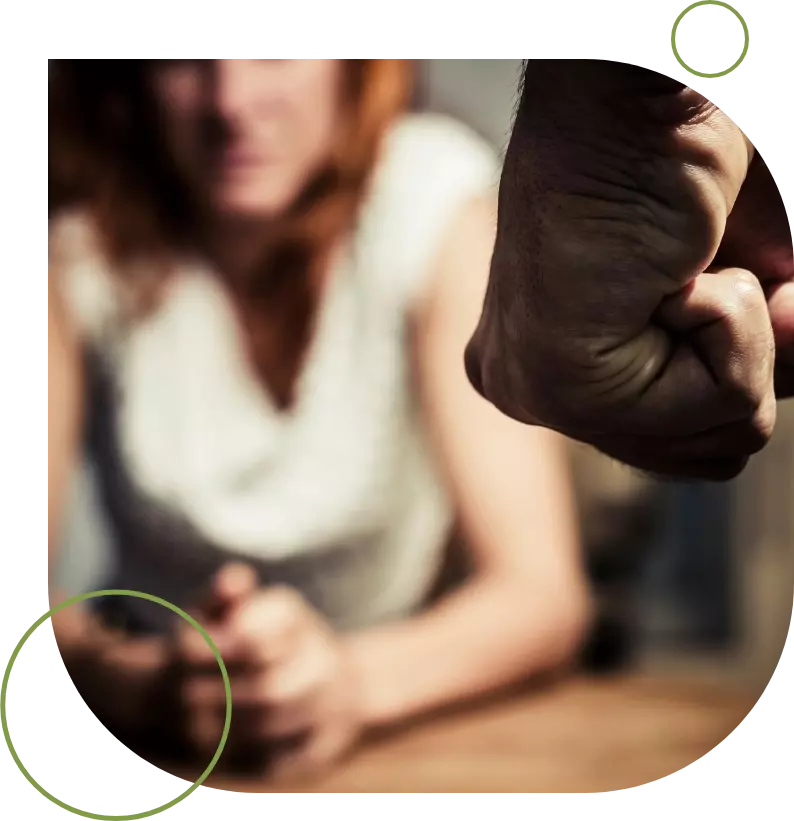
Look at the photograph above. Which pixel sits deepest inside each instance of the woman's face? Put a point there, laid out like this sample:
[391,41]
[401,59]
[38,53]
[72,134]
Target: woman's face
[246,135]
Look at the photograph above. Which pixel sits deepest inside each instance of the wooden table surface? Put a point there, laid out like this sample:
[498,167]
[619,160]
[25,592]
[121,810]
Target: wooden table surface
[580,735]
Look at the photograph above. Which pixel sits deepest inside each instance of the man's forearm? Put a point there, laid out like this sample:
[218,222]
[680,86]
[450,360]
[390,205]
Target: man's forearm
[490,634]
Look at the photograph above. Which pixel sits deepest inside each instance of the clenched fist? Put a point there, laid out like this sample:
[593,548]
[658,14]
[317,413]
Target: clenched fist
[641,272]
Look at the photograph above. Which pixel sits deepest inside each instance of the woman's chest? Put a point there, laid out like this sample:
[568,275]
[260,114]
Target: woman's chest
[195,430]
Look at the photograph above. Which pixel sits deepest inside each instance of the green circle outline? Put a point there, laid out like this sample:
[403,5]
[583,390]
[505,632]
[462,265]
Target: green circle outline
[227,687]
[710,3]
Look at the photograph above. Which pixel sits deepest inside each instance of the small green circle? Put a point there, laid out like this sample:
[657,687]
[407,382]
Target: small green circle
[711,3]
[227,686]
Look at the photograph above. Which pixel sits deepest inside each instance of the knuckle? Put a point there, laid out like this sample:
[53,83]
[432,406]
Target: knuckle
[747,292]
[495,391]
[506,382]
[499,364]
[761,427]
[486,375]
[485,368]
[282,691]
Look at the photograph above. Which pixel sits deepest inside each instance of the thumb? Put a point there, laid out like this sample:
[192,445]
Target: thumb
[722,370]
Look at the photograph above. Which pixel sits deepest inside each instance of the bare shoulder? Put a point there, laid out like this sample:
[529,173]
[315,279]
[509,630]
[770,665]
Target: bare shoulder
[431,170]
[459,275]
[474,226]
[428,165]
[426,125]
[73,238]
[437,157]
[81,283]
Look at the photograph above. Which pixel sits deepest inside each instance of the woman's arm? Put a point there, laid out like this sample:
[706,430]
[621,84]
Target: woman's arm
[64,395]
[65,387]
[117,676]
[526,606]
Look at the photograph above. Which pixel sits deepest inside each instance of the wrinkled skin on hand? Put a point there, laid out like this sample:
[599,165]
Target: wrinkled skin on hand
[758,238]
[625,306]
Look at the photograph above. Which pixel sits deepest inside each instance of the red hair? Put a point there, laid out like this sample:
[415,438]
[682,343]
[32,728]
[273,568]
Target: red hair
[105,155]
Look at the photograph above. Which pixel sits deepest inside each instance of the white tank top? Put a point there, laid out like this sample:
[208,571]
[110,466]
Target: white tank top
[338,496]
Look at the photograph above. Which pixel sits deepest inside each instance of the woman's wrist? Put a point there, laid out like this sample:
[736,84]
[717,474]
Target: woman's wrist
[490,634]
[399,672]
[379,685]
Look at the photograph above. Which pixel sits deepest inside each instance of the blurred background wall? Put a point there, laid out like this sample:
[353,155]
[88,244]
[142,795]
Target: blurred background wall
[481,93]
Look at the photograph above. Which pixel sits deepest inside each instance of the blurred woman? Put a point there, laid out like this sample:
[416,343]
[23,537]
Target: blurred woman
[259,298]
